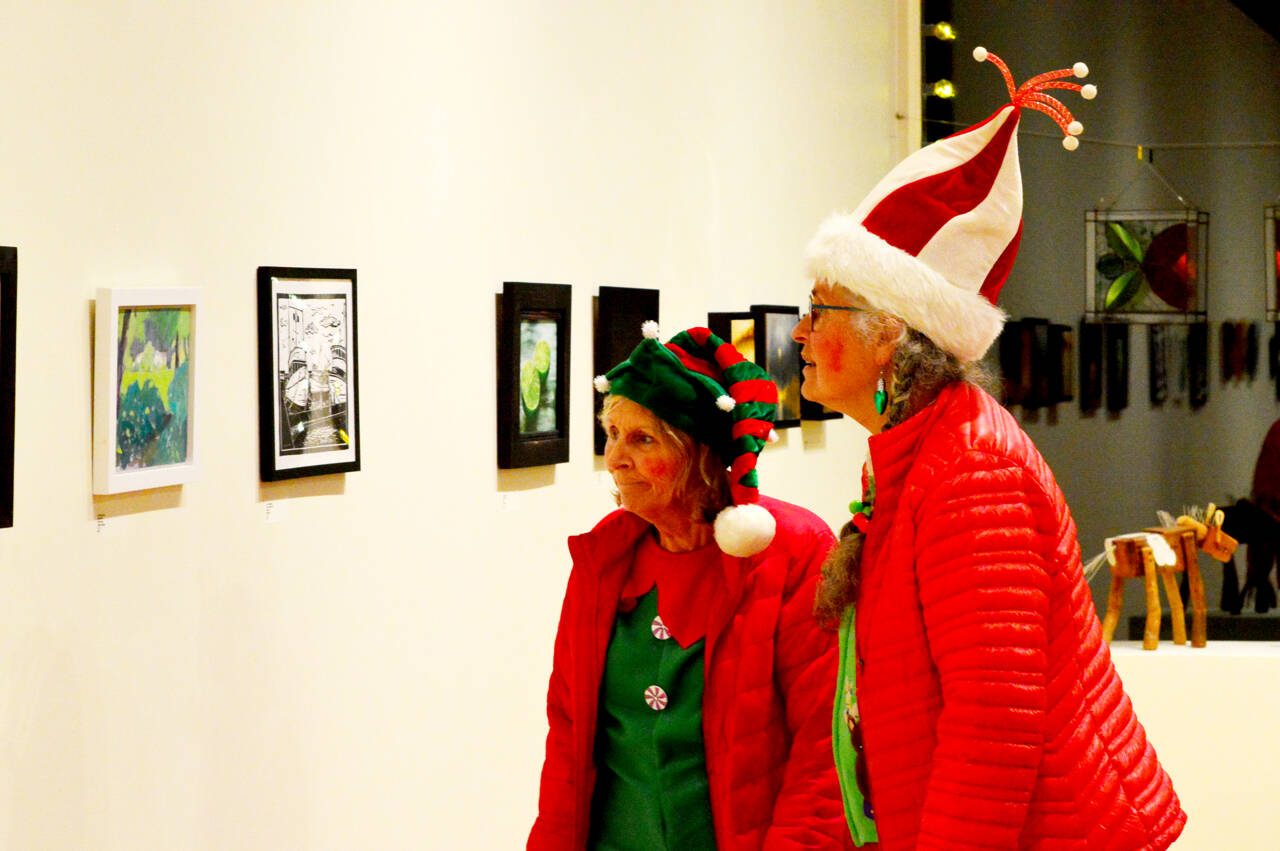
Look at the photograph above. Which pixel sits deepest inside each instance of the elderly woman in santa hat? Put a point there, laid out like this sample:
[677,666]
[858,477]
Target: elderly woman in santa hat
[977,705]
[690,698]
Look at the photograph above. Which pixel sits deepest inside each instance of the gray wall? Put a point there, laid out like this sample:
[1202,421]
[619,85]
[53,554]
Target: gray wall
[1191,71]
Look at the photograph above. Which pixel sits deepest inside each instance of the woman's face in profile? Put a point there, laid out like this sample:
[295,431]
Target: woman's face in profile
[839,370]
[645,462]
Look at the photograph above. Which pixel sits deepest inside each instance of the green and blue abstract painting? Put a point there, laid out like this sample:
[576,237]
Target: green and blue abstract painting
[153,374]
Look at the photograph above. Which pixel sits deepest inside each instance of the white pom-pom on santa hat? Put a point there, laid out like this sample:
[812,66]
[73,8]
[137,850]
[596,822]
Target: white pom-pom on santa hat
[1075,128]
[980,54]
[1080,69]
[601,383]
[1070,143]
[1088,91]
[725,402]
[744,530]
[649,329]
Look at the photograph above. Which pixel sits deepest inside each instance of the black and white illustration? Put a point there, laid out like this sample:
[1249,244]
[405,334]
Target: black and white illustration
[308,395]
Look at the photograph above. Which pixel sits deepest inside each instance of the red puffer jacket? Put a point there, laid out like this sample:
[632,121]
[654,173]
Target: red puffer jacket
[992,715]
[766,709]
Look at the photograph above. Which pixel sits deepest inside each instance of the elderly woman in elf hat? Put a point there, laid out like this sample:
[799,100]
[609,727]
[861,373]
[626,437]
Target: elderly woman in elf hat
[690,698]
[977,705]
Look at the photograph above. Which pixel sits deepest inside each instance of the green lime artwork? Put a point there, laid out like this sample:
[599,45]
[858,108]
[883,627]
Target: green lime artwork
[153,377]
[537,376]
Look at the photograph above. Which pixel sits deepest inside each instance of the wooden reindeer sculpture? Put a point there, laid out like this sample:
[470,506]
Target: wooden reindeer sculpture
[1165,551]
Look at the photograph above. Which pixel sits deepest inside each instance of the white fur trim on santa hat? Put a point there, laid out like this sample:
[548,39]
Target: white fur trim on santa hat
[744,530]
[961,322]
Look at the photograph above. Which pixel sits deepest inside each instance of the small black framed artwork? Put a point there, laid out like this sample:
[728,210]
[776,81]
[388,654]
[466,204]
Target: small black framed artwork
[533,374]
[8,360]
[779,354]
[763,335]
[619,314]
[308,386]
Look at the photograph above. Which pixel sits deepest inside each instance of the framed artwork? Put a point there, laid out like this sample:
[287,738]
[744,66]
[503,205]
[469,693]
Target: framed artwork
[1146,266]
[1037,363]
[1116,341]
[763,335]
[308,384]
[1168,363]
[736,328]
[780,357]
[619,313]
[533,374]
[8,352]
[1271,260]
[1198,363]
[146,364]
[1060,369]
[1090,366]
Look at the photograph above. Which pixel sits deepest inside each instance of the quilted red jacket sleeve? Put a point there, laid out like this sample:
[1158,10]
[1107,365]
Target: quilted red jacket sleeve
[808,812]
[984,595]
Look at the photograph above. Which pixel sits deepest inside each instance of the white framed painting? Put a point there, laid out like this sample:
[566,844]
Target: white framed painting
[146,361]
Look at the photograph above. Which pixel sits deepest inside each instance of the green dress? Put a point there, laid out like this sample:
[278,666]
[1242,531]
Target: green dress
[846,739]
[651,785]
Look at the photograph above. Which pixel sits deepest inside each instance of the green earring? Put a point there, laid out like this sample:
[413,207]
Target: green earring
[881,397]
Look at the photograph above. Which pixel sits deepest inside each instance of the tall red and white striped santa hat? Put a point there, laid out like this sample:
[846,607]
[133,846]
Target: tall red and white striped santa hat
[934,241]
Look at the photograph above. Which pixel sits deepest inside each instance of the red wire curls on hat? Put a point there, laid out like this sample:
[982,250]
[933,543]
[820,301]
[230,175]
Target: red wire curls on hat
[1031,93]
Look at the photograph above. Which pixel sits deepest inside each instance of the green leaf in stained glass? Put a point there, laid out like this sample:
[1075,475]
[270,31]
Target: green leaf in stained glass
[1122,242]
[1123,289]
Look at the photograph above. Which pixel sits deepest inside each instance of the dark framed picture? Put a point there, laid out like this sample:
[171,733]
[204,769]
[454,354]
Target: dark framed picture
[1271,260]
[1198,363]
[619,314]
[1116,343]
[1090,366]
[308,385]
[738,329]
[8,352]
[533,374]
[780,357]
[1061,368]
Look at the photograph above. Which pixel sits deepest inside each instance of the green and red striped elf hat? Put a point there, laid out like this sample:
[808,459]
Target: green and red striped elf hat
[703,386]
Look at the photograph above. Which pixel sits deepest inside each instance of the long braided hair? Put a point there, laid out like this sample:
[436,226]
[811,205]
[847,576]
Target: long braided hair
[920,370]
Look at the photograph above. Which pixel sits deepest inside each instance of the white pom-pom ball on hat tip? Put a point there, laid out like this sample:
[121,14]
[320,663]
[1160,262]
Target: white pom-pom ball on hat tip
[649,329]
[725,402]
[601,384]
[1070,143]
[744,530]
[1088,91]
[980,54]
[1075,128]
[1080,69]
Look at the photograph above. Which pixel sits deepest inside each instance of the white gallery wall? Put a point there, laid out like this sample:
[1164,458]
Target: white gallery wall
[360,661]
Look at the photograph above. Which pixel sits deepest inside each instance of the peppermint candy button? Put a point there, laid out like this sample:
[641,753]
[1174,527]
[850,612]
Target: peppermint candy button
[656,698]
[659,629]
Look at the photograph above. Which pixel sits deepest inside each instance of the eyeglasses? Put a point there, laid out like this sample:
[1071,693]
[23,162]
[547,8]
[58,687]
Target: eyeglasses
[815,308]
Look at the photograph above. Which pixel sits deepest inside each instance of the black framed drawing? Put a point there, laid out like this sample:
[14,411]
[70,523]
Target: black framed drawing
[619,314]
[533,374]
[308,387]
[8,352]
